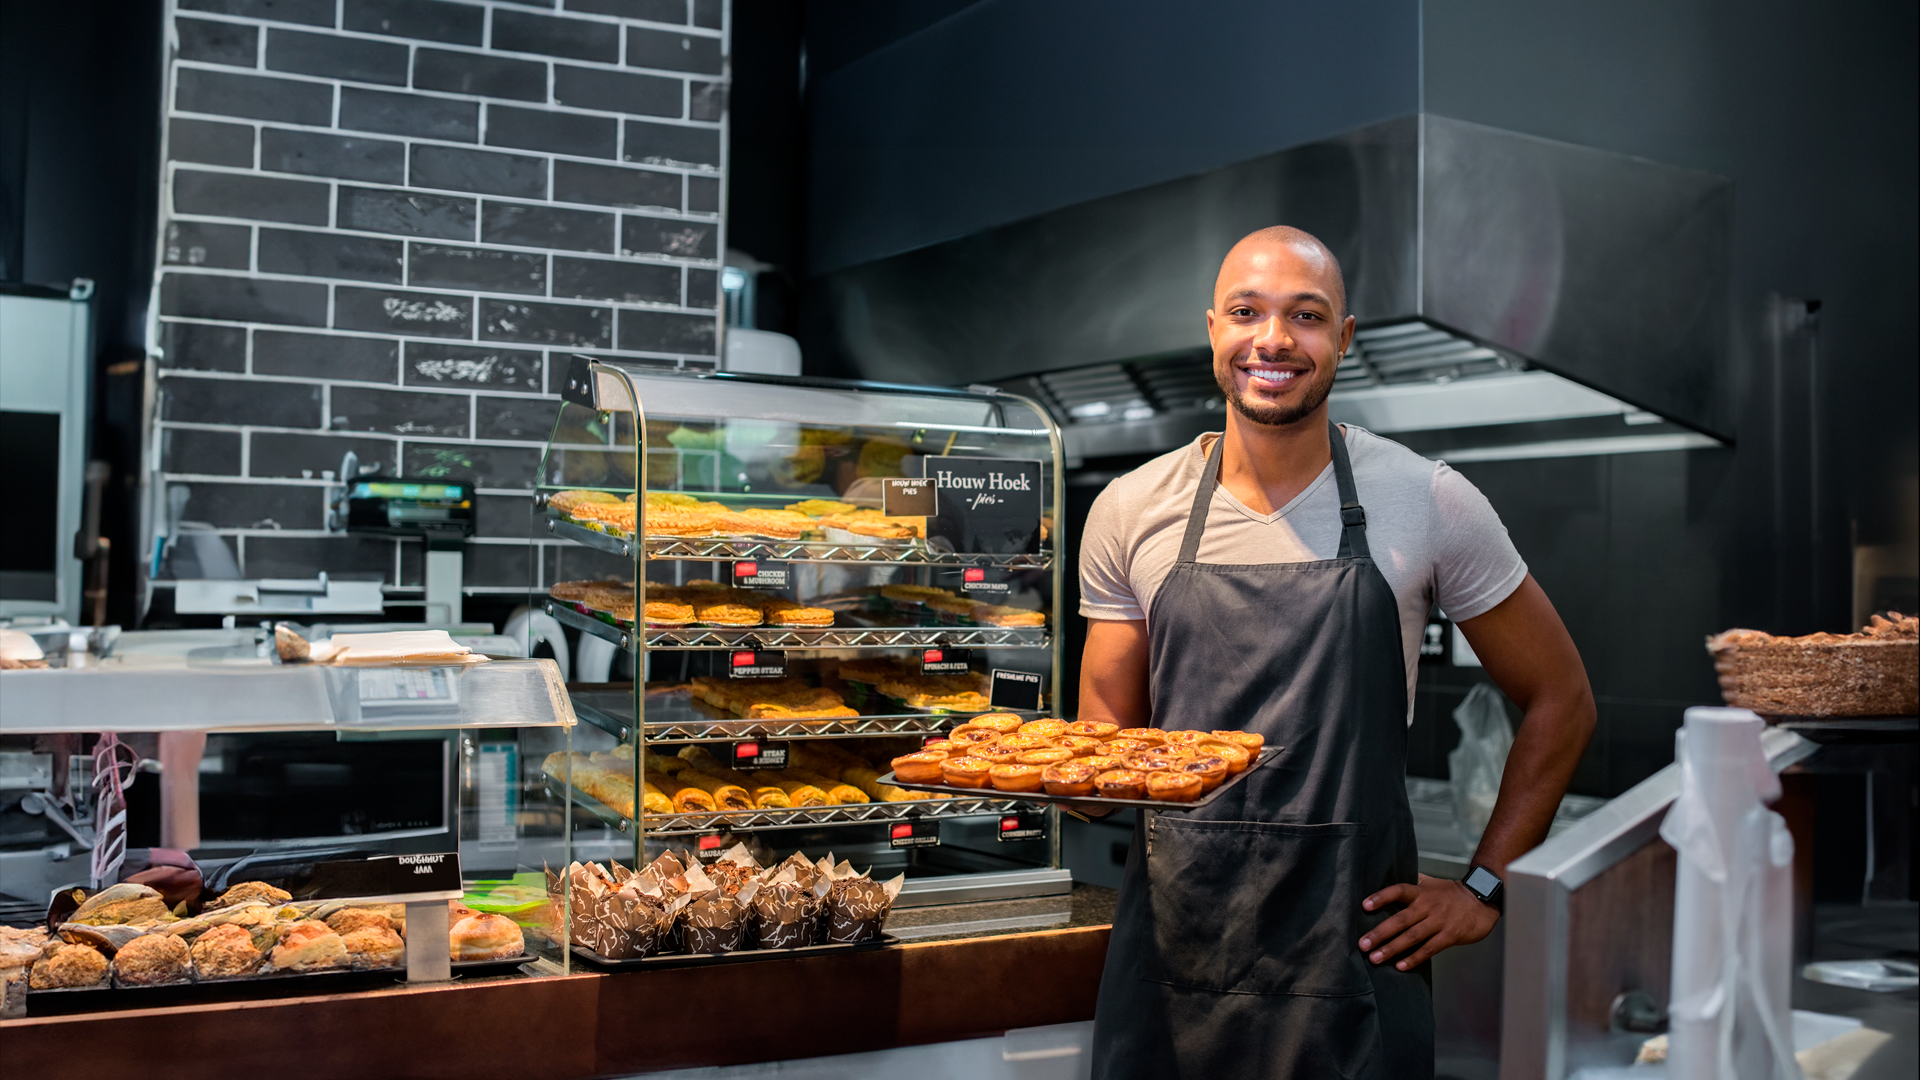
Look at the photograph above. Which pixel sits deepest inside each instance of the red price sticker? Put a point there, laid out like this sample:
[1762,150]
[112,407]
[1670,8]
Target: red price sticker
[710,843]
[1010,823]
[745,569]
[934,656]
[743,659]
[902,831]
[975,574]
[746,750]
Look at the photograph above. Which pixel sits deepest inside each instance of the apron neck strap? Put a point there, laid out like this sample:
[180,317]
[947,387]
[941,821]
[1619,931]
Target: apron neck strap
[1202,502]
[1353,517]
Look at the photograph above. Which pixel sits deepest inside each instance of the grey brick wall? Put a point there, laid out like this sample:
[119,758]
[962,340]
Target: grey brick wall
[387,224]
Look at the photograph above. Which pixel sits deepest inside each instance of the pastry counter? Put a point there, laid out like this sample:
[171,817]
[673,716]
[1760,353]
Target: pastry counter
[609,1023]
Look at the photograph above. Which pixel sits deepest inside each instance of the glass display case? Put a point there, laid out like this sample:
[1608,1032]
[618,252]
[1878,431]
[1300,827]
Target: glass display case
[780,584]
[403,792]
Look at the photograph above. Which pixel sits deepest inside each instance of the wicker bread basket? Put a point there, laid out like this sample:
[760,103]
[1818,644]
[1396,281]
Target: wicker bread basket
[1875,672]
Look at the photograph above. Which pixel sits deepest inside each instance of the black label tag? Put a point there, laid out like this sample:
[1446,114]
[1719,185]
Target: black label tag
[945,661]
[979,581]
[916,833]
[755,754]
[1022,827]
[439,872]
[708,847]
[986,504]
[760,574]
[906,496]
[1015,690]
[1433,643]
[757,664]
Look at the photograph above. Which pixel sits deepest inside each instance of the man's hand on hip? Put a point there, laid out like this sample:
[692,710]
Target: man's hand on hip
[1440,914]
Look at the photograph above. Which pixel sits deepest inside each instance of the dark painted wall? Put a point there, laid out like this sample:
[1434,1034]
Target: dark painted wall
[1009,108]
[79,151]
[1812,112]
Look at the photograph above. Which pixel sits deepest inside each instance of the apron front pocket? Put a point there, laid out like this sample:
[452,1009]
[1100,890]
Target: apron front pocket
[1247,907]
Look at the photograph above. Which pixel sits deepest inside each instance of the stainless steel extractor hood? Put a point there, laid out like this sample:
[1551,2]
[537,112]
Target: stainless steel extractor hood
[1498,279]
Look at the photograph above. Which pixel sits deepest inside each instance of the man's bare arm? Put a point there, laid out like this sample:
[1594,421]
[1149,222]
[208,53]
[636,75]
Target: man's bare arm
[1525,648]
[1113,673]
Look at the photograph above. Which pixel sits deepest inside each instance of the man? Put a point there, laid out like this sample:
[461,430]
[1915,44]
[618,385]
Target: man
[1276,578]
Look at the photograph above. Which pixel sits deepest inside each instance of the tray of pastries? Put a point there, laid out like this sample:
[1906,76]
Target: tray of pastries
[682,516]
[127,937]
[1086,761]
[696,604]
[693,781]
[677,911]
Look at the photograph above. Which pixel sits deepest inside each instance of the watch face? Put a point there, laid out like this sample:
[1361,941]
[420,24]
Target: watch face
[1482,881]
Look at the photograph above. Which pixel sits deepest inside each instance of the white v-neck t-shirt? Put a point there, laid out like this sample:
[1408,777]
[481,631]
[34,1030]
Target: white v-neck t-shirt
[1433,534]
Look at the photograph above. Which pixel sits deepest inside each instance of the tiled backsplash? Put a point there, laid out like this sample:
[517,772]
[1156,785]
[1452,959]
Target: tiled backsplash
[386,226]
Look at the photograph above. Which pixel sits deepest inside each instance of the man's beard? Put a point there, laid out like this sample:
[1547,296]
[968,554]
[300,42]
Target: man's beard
[1275,415]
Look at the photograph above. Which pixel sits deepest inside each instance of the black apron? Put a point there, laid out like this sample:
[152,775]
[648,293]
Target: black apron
[1235,943]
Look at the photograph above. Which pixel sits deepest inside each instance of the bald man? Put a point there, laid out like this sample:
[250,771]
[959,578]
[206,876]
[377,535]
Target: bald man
[1276,578]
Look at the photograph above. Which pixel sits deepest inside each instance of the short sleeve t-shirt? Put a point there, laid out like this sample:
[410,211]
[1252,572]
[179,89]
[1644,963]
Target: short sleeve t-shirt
[1433,534]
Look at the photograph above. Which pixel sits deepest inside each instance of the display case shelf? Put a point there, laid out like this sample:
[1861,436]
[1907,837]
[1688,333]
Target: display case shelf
[810,637]
[874,813]
[683,726]
[709,549]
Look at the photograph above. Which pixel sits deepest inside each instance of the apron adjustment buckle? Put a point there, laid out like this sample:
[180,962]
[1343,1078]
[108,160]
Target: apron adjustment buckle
[1352,515]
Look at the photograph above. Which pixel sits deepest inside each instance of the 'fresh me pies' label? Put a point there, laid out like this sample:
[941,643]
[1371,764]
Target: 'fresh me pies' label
[1015,690]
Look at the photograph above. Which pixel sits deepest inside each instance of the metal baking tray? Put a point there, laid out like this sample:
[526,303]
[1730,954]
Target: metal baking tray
[1267,754]
[681,959]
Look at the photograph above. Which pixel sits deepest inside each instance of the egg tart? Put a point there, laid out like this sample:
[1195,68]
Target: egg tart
[1046,755]
[1015,776]
[1235,755]
[1045,729]
[1080,745]
[1210,768]
[922,767]
[965,772]
[1121,784]
[1253,741]
[1093,729]
[1004,723]
[942,744]
[1025,742]
[1148,735]
[970,735]
[1174,787]
[997,752]
[1069,778]
[1186,739]
[1123,746]
[1103,762]
[1149,761]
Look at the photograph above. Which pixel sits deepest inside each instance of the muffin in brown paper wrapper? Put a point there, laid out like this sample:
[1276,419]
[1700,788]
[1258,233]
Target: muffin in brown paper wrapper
[857,908]
[718,923]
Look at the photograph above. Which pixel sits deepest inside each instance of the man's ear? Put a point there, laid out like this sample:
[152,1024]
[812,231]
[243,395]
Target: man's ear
[1210,322]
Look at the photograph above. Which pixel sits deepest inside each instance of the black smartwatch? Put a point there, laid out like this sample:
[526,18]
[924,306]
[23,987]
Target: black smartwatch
[1487,887]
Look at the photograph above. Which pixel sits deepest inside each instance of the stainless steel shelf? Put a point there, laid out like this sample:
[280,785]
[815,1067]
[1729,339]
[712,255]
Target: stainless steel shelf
[677,722]
[875,813]
[708,549]
[811,637]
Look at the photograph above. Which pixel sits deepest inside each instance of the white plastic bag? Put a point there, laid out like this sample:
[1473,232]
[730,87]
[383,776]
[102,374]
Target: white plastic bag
[1733,906]
[1477,763]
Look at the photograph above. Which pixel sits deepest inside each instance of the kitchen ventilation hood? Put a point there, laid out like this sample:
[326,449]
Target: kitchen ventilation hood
[1501,282]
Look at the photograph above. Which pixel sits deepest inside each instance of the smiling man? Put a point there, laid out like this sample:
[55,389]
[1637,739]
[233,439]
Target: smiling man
[1277,578]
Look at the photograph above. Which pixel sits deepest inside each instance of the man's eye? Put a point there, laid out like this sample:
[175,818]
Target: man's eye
[1242,311]
[1309,315]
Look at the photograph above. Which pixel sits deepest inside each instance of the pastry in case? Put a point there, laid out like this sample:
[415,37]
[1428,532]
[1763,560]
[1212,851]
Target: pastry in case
[921,767]
[1121,784]
[1071,777]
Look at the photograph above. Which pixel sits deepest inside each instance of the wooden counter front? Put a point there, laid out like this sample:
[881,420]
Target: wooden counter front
[592,1024]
